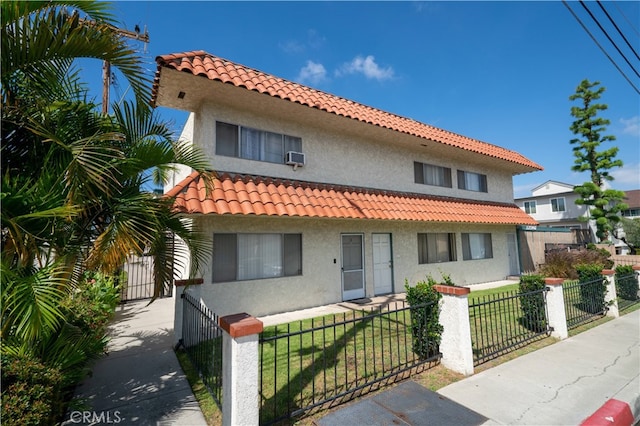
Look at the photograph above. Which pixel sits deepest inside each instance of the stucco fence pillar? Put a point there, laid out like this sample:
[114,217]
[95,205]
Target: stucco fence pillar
[240,369]
[455,343]
[556,313]
[611,296]
[179,288]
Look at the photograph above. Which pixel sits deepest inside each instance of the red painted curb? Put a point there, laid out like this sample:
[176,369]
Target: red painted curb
[612,413]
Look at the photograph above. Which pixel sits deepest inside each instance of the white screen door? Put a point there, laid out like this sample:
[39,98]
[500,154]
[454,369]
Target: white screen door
[382,264]
[352,267]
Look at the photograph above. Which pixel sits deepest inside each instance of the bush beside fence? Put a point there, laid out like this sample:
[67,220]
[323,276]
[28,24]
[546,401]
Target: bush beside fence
[627,287]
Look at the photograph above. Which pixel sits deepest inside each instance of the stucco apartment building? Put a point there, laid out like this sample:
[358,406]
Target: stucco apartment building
[319,199]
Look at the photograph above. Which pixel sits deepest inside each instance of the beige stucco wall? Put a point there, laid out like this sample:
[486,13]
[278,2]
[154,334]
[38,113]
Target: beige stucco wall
[377,159]
[320,282]
[344,152]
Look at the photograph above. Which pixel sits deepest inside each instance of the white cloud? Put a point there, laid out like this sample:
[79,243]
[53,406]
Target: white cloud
[366,66]
[314,40]
[292,46]
[627,175]
[312,73]
[631,126]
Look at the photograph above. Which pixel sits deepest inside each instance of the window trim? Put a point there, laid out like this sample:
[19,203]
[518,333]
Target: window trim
[564,204]
[482,181]
[234,260]
[419,175]
[467,252]
[451,247]
[288,143]
[527,207]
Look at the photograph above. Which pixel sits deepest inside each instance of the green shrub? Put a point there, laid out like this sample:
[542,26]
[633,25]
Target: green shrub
[425,322]
[30,391]
[593,288]
[532,305]
[37,387]
[93,303]
[626,282]
[562,264]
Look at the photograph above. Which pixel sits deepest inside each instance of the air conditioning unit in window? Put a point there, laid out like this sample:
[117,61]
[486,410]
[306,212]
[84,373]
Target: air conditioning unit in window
[295,159]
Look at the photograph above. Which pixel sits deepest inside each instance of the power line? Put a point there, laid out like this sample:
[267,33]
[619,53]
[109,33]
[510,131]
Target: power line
[608,37]
[600,46]
[626,19]
[618,29]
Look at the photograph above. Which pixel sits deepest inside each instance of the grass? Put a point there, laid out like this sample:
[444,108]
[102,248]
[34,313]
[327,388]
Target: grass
[477,294]
[333,357]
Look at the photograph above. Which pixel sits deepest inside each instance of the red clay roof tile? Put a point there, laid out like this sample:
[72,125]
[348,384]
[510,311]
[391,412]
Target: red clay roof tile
[201,63]
[198,194]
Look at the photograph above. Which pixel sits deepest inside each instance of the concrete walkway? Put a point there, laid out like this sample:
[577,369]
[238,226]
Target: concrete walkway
[140,381]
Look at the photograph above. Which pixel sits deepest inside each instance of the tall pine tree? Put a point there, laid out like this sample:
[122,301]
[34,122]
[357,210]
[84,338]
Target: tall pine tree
[605,204]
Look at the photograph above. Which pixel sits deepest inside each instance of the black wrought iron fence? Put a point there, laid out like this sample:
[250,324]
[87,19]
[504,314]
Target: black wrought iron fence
[627,290]
[327,361]
[202,341]
[584,301]
[503,322]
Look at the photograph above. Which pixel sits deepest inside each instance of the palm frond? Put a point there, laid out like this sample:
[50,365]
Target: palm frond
[31,300]
[36,38]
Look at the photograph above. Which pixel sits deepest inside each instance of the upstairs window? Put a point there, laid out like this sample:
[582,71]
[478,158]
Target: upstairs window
[436,248]
[557,205]
[530,207]
[476,246]
[239,257]
[472,181]
[254,144]
[429,174]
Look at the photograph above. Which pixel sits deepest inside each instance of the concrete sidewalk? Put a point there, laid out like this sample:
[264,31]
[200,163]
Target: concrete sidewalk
[561,384]
[140,381]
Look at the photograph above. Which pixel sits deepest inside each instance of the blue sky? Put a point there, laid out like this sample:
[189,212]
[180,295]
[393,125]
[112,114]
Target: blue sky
[500,72]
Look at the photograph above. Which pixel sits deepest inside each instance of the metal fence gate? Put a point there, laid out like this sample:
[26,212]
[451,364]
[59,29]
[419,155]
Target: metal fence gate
[138,282]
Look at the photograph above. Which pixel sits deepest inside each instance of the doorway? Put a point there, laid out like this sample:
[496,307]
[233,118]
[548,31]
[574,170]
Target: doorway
[382,264]
[352,266]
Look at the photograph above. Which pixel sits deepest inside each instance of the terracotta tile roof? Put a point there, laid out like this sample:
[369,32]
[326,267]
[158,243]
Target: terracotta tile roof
[203,64]
[263,196]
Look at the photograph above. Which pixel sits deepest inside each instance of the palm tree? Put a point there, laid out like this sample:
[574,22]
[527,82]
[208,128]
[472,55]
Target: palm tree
[72,177]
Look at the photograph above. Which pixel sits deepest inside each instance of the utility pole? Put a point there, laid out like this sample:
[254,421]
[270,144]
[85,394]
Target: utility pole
[106,66]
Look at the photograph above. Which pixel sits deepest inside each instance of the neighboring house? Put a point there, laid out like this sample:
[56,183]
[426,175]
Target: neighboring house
[319,199]
[553,204]
[632,200]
